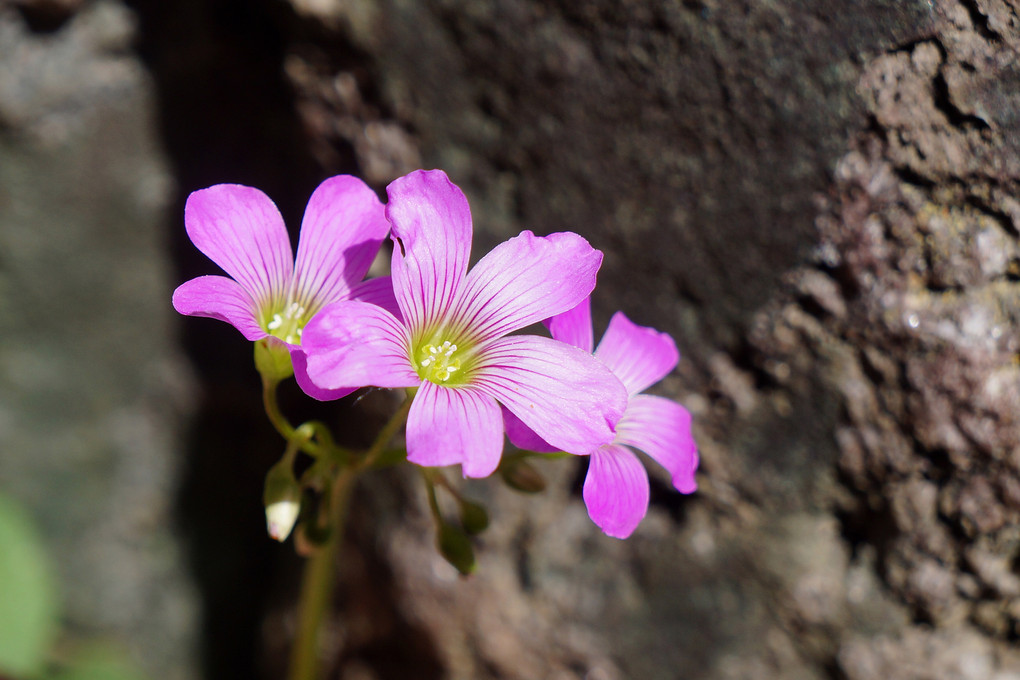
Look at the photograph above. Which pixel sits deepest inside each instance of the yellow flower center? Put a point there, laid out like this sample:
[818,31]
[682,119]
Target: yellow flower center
[288,324]
[438,363]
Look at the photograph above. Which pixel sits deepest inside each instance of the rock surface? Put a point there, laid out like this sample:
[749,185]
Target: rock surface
[818,202]
[93,386]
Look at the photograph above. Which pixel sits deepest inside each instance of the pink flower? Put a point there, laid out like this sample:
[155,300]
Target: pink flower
[616,488]
[269,294]
[452,344]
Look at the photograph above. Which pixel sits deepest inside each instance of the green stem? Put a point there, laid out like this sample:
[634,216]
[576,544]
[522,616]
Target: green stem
[272,407]
[317,585]
[282,425]
[386,434]
[320,571]
[430,490]
[441,480]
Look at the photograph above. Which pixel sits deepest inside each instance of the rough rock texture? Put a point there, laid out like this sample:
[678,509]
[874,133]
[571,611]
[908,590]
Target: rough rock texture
[818,200]
[92,387]
[857,447]
[911,308]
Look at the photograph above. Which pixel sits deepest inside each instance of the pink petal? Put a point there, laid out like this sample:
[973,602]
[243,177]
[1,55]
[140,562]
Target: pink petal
[574,326]
[431,230]
[343,227]
[240,229]
[218,297]
[616,490]
[522,436]
[638,355]
[455,425]
[525,280]
[300,363]
[662,429]
[353,344]
[566,396]
[378,291]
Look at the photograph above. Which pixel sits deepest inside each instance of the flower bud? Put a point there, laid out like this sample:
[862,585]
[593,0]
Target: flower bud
[272,359]
[282,498]
[455,547]
[522,476]
[280,519]
[473,517]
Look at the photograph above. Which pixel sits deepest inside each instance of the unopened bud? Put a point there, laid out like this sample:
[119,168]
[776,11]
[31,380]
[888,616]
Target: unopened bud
[280,518]
[455,547]
[522,476]
[282,498]
[473,517]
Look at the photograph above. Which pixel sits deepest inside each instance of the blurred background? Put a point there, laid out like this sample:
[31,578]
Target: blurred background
[816,199]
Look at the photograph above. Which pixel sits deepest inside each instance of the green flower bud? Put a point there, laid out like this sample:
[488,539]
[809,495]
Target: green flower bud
[522,476]
[473,517]
[455,546]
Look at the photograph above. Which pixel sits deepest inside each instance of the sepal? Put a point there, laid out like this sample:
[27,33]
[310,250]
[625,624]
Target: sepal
[272,359]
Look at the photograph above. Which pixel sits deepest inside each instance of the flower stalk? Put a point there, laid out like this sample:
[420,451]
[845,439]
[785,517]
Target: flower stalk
[318,583]
[320,572]
[312,437]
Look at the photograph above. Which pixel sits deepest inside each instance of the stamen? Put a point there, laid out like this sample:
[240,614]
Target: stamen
[289,324]
[438,363]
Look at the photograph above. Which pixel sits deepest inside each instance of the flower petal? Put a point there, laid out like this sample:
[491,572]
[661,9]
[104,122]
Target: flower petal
[431,230]
[662,429]
[522,436]
[525,280]
[616,490]
[218,297]
[455,425]
[343,227]
[569,398]
[300,362]
[353,344]
[241,230]
[638,355]
[574,326]
[378,291]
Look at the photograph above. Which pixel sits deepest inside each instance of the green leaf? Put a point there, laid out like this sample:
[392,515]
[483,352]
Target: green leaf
[28,598]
